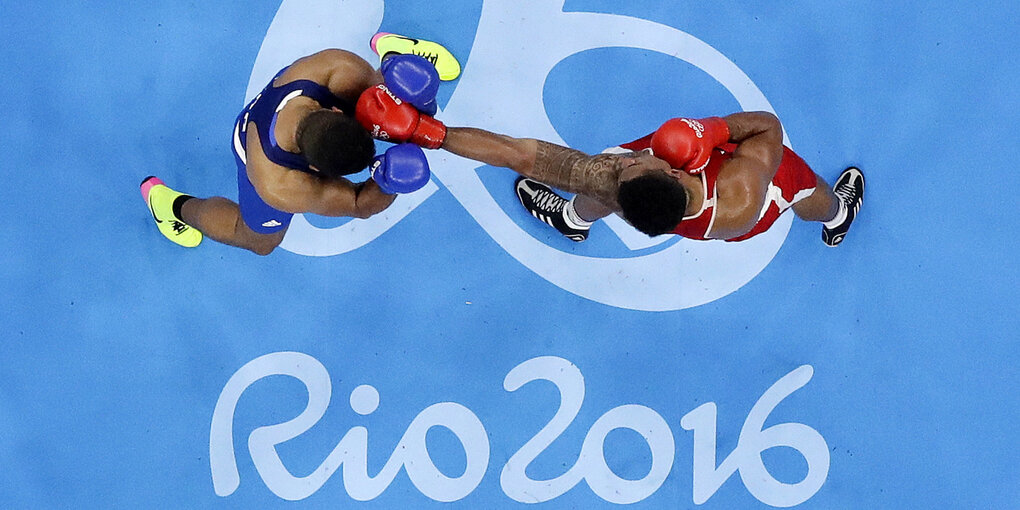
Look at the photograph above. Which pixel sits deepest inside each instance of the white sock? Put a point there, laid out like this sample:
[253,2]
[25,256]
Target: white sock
[840,217]
[573,219]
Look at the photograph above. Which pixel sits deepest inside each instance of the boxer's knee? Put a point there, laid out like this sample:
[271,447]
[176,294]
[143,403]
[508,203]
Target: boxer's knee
[264,248]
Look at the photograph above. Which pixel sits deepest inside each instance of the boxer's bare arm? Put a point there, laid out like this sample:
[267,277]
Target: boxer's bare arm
[555,165]
[294,191]
[744,179]
[758,135]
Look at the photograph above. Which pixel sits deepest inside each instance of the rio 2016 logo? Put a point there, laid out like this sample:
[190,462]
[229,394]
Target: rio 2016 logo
[350,456]
[685,274]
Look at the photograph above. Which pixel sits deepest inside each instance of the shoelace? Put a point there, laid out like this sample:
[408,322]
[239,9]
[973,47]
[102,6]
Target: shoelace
[178,226]
[431,57]
[845,192]
[549,202]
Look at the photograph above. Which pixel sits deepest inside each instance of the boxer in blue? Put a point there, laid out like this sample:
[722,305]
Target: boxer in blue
[294,143]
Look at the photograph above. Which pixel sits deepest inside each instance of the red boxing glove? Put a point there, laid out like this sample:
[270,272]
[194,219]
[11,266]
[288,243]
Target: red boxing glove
[388,118]
[687,143]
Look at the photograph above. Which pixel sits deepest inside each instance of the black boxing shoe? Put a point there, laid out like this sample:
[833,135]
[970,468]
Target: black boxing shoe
[543,203]
[850,190]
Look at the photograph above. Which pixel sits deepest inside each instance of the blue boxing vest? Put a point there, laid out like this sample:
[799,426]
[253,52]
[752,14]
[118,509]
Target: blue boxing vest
[263,109]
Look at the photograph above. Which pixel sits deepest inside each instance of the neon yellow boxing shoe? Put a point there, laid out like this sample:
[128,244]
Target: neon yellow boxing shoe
[160,200]
[385,43]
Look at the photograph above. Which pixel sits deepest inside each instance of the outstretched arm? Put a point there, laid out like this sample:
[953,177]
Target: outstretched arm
[555,165]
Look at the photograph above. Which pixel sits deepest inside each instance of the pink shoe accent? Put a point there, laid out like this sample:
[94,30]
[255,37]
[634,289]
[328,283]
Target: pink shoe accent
[376,38]
[148,184]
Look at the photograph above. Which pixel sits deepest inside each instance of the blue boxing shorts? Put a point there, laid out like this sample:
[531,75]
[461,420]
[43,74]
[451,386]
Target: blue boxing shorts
[256,213]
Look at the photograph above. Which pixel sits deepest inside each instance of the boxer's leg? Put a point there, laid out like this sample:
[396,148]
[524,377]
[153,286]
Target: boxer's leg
[587,209]
[836,208]
[249,223]
[821,205]
[220,219]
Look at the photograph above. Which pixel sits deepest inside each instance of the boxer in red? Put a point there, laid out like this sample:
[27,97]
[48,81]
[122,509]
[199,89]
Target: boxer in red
[717,178]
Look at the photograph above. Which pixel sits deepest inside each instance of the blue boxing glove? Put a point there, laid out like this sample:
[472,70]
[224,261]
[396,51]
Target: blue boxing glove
[412,79]
[401,169]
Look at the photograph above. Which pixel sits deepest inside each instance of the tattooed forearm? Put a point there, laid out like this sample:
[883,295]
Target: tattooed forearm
[577,172]
[557,166]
